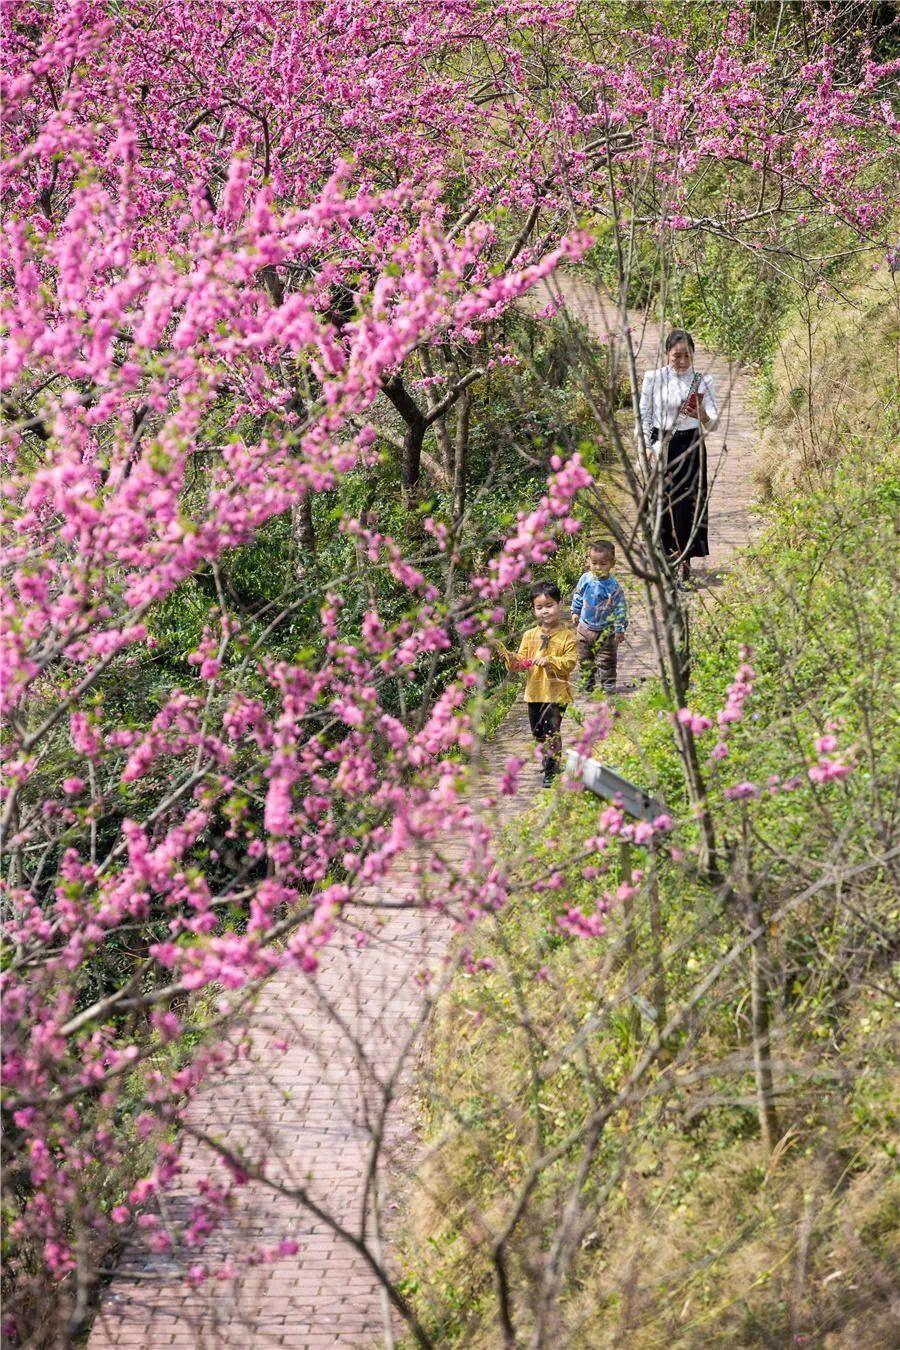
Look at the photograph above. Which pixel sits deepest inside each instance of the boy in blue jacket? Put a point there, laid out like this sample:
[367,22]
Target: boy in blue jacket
[600,615]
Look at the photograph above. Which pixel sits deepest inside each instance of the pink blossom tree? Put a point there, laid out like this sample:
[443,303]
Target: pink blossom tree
[230,232]
[157,306]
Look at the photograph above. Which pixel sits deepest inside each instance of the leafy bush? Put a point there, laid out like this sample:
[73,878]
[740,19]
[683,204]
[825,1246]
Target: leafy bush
[685,1205]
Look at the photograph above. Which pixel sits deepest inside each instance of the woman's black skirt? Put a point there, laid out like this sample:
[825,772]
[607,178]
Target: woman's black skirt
[685,513]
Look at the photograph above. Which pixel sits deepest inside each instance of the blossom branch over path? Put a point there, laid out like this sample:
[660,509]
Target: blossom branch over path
[229,232]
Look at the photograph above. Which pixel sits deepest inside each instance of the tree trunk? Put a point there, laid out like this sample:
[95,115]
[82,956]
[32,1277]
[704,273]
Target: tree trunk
[656,941]
[707,858]
[272,284]
[761,1031]
[760,1026]
[630,942]
[416,426]
[411,465]
[304,531]
[445,442]
[681,632]
[460,458]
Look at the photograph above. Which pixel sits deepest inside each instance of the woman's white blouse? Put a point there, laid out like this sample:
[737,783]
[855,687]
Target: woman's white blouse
[663,393]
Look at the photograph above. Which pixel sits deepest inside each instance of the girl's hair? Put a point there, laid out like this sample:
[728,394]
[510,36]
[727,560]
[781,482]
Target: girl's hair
[545,588]
[679,335]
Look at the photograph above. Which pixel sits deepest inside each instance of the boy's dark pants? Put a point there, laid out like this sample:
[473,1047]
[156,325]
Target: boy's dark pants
[598,655]
[545,720]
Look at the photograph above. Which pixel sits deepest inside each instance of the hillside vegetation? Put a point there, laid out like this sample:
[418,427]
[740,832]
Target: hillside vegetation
[829,389]
[698,1234]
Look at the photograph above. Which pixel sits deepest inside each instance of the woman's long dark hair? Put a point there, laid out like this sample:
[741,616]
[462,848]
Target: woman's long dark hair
[679,335]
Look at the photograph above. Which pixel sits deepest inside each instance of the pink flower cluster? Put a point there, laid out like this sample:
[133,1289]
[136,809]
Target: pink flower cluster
[696,723]
[832,766]
[207,286]
[732,710]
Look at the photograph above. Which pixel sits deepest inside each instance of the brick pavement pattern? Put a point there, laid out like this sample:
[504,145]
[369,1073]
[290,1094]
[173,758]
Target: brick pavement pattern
[731,448]
[310,1095]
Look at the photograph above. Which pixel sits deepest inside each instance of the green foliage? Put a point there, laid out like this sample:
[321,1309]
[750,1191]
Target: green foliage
[728,298]
[491,711]
[703,1213]
[643,264]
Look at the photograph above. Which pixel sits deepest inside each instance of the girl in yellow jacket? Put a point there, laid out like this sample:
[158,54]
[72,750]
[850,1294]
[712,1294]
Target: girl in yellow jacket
[549,653]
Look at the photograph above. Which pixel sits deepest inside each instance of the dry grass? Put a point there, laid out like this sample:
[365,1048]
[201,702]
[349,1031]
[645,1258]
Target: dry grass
[837,372]
[748,1258]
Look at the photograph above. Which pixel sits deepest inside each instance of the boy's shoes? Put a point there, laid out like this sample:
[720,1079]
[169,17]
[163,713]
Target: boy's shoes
[551,769]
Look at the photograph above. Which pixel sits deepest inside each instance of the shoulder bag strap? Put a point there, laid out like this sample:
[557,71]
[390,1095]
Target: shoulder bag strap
[695,385]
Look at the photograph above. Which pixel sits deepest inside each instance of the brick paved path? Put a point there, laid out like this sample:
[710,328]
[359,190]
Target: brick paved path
[311,1107]
[730,448]
[312,1110]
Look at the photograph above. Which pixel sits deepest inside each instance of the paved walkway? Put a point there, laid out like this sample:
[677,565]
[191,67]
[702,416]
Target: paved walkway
[730,448]
[326,1054]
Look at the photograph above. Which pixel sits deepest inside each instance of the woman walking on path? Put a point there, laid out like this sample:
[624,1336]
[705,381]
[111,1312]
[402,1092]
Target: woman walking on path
[677,406]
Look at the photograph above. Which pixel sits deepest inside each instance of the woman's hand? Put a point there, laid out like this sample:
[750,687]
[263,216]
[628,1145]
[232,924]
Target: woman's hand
[694,408]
